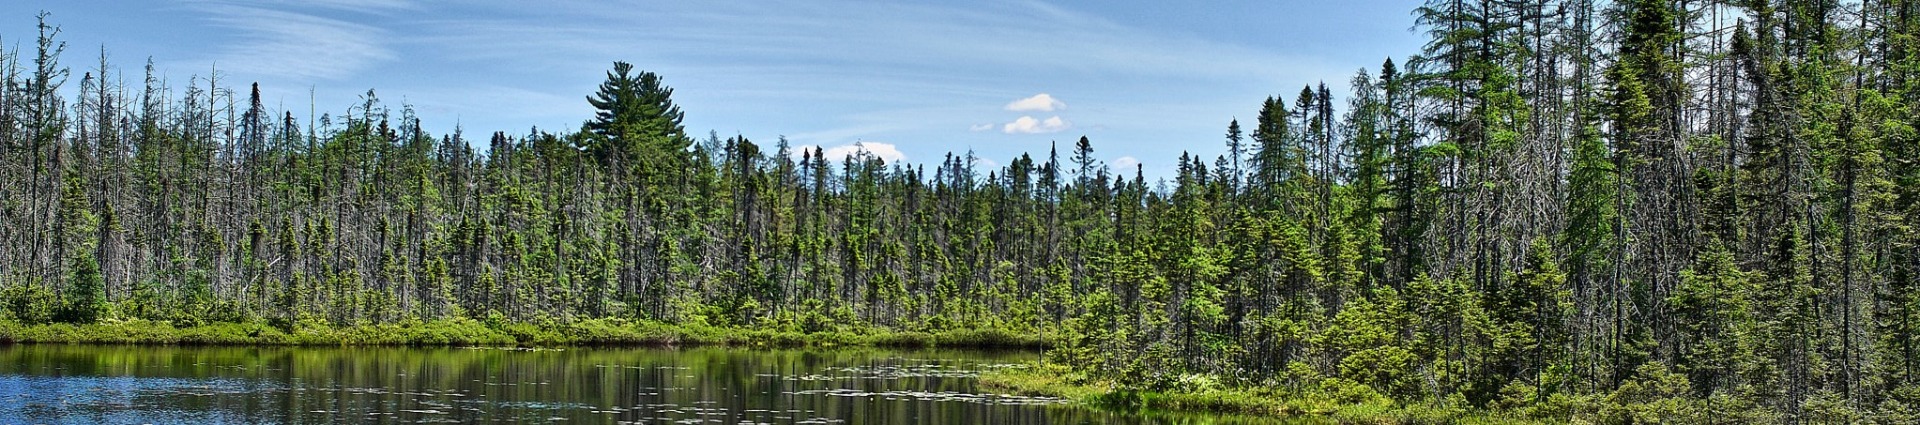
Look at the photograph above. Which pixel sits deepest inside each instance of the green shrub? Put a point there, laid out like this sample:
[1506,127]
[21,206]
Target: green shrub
[1654,394]
[30,303]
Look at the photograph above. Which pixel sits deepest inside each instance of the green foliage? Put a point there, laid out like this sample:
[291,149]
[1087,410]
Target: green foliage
[636,120]
[471,332]
[1654,394]
[1716,318]
[86,297]
[31,303]
[1539,216]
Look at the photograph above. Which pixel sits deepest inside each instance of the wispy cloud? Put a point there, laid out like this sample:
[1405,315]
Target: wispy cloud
[294,45]
[1145,80]
[1125,164]
[1037,103]
[1030,125]
[903,56]
[362,6]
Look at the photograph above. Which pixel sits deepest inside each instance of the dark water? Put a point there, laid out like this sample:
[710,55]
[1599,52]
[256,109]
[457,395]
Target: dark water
[211,385]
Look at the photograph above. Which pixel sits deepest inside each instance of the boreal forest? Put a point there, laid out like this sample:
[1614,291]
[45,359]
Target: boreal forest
[1626,211]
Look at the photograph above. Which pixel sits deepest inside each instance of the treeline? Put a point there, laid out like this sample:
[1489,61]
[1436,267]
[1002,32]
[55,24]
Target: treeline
[1636,210]
[197,205]
[1631,211]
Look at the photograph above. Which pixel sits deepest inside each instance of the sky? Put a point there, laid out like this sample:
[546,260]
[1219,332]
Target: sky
[907,80]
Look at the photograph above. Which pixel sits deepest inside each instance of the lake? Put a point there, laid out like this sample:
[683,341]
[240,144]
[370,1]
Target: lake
[296,385]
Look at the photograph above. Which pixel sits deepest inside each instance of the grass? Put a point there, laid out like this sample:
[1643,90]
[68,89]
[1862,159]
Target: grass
[463,331]
[1050,381]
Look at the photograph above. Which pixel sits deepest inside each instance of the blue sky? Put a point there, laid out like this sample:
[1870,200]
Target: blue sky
[1145,80]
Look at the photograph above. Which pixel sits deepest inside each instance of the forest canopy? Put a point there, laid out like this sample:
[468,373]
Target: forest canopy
[1627,210]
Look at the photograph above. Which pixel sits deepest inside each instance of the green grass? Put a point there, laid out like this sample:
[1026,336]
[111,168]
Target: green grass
[1043,380]
[1050,381]
[463,331]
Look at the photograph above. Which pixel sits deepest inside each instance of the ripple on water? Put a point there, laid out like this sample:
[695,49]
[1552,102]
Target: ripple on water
[116,399]
[779,393]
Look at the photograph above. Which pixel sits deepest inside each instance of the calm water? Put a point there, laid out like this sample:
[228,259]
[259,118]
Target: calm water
[126,384]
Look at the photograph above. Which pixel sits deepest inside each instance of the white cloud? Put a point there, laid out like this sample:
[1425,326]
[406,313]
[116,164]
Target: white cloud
[984,165]
[980,127]
[1038,103]
[1029,125]
[1125,164]
[884,151]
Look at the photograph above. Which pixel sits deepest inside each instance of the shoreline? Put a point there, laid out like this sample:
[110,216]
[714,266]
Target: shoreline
[1048,380]
[470,332]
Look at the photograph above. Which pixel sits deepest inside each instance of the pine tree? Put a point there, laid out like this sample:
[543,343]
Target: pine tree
[86,297]
[637,124]
[1712,307]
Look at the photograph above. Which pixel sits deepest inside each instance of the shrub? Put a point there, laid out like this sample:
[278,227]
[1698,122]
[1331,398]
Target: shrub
[29,303]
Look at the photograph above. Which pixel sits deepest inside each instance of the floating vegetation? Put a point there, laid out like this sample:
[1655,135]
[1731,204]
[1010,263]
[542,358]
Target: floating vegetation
[909,371]
[509,348]
[951,396]
[812,377]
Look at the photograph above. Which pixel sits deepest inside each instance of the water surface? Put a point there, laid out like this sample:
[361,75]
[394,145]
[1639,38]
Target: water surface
[300,385]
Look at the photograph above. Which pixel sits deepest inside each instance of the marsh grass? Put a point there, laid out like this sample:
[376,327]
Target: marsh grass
[1046,380]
